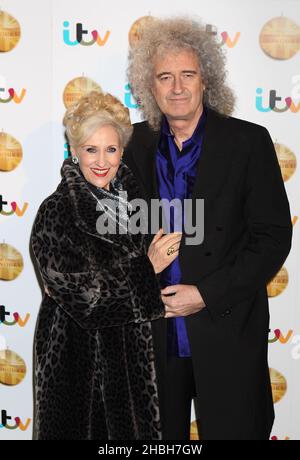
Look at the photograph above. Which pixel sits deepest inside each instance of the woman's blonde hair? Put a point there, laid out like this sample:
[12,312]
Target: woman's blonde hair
[161,36]
[92,111]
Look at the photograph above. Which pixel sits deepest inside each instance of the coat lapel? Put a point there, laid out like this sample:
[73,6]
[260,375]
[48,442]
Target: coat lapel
[84,203]
[211,168]
[214,160]
[146,164]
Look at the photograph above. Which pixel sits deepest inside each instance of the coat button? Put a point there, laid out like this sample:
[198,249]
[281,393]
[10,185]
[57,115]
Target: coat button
[226,313]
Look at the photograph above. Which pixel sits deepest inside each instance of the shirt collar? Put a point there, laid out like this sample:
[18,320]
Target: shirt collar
[197,134]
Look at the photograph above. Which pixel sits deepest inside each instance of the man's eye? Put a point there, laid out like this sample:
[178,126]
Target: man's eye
[165,77]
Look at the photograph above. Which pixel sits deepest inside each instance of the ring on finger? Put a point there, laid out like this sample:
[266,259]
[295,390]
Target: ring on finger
[170,250]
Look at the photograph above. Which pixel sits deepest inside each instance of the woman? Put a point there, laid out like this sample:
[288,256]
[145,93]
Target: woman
[94,359]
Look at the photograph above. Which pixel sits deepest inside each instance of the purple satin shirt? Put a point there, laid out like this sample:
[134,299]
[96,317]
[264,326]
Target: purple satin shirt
[176,173]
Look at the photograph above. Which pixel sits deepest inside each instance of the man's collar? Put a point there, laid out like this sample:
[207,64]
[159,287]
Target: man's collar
[197,134]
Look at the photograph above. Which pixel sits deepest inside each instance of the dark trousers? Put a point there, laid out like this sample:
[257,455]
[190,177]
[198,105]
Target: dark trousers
[179,390]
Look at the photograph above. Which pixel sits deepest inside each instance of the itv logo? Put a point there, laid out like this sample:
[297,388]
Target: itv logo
[265,102]
[129,100]
[80,33]
[225,38]
[6,315]
[6,422]
[279,336]
[11,95]
[15,209]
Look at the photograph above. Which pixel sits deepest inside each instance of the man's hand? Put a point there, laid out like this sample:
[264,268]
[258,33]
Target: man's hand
[185,301]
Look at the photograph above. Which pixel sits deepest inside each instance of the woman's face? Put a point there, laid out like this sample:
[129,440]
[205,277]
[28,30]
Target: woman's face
[100,155]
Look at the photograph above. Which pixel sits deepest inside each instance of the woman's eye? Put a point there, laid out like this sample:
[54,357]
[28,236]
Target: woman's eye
[91,150]
[111,149]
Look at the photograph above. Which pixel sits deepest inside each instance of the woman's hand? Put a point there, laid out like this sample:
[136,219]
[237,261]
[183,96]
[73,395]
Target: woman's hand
[164,249]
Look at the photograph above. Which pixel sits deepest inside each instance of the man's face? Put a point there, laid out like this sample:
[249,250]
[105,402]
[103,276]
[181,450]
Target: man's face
[177,86]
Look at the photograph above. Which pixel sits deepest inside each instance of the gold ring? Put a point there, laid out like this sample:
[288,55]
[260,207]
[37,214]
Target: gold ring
[170,250]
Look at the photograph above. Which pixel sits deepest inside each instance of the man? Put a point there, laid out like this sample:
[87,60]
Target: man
[212,343]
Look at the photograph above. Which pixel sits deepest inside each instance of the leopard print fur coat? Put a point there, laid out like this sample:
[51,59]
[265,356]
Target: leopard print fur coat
[93,350]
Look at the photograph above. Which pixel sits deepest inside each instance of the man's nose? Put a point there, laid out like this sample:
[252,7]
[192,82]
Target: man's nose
[177,85]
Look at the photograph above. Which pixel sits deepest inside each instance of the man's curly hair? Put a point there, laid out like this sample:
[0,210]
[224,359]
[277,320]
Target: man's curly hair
[161,36]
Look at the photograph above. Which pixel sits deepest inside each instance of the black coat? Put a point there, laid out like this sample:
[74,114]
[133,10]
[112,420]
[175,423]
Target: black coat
[94,361]
[246,240]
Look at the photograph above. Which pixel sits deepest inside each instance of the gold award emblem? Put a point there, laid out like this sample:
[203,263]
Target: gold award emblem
[278,284]
[11,152]
[11,262]
[10,32]
[136,30]
[12,368]
[287,161]
[77,88]
[279,385]
[280,38]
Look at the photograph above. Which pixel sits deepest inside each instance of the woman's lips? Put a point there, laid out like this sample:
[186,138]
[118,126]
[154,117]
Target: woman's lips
[100,172]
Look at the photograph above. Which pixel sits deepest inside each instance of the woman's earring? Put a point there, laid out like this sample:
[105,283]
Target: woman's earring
[75,160]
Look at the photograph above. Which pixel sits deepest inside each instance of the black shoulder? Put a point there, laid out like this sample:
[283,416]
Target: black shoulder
[239,124]
[142,139]
[143,134]
[58,196]
[59,199]
[235,129]
[142,127]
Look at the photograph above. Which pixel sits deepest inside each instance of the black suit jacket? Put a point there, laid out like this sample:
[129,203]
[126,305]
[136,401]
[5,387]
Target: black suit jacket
[247,237]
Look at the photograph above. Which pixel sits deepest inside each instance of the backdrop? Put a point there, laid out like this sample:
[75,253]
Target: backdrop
[52,52]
